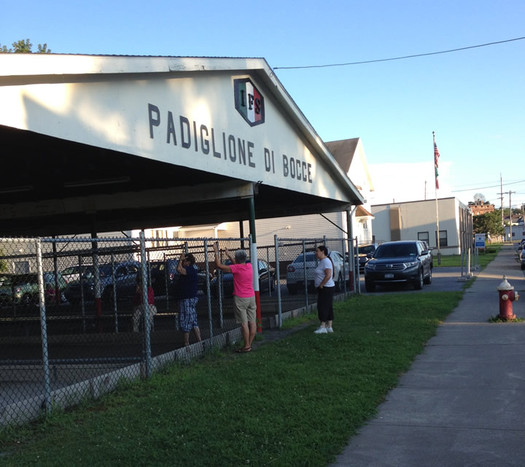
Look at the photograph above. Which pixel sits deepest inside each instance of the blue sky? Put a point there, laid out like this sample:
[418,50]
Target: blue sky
[473,100]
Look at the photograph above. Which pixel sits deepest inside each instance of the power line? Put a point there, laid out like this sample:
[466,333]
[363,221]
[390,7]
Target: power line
[489,186]
[404,57]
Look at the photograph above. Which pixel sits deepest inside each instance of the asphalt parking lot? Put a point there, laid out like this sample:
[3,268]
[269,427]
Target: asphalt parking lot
[444,279]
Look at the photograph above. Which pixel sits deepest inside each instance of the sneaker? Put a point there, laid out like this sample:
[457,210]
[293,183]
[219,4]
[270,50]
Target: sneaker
[329,330]
[321,331]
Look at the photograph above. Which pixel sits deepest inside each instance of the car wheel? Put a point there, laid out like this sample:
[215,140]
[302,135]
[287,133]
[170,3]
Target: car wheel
[428,279]
[370,286]
[418,285]
[292,289]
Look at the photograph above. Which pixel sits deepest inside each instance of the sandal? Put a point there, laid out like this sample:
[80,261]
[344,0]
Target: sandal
[244,350]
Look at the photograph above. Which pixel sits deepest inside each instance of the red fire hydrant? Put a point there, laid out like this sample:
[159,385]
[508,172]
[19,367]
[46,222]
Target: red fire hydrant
[506,297]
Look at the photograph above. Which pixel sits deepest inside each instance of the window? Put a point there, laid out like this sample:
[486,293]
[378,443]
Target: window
[423,236]
[443,238]
[21,267]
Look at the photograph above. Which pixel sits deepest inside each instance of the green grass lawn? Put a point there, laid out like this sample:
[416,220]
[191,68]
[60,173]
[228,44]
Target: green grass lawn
[293,402]
[484,257]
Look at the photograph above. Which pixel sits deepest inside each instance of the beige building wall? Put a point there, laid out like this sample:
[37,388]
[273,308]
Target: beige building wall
[417,220]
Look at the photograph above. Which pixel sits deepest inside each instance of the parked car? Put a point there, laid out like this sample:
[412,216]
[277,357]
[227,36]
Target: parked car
[164,276]
[267,278]
[6,292]
[296,270]
[399,262]
[365,253]
[73,273]
[125,283]
[522,258]
[22,289]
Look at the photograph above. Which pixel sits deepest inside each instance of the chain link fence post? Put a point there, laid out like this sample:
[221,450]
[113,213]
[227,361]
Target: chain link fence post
[278,279]
[343,251]
[43,328]
[357,279]
[145,308]
[210,317]
[305,275]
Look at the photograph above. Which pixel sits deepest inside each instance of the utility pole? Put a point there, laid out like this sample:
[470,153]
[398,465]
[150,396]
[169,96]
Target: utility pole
[501,197]
[510,212]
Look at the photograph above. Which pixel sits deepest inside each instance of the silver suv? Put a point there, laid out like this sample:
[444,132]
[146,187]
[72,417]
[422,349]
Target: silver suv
[295,273]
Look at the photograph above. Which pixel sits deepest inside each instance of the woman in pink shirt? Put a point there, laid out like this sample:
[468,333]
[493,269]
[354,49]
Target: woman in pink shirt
[243,293]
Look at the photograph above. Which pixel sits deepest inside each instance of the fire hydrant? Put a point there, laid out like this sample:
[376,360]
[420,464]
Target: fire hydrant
[506,297]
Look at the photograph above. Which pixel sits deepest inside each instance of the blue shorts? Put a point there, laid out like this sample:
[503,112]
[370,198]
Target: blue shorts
[188,314]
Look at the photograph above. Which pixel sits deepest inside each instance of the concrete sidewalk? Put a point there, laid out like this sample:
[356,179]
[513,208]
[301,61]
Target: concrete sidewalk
[463,400]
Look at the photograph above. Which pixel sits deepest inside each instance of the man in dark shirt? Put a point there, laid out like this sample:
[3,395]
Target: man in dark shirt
[188,288]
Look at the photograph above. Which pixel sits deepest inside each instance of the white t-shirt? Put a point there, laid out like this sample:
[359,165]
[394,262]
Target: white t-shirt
[324,264]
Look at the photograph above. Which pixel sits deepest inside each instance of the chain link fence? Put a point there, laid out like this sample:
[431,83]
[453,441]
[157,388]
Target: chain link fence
[71,327]
[296,263]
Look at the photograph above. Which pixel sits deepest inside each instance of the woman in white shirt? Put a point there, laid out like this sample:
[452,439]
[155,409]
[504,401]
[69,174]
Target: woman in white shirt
[325,285]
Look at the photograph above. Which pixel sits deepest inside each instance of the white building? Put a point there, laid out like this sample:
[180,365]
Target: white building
[518,232]
[418,220]
[112,143]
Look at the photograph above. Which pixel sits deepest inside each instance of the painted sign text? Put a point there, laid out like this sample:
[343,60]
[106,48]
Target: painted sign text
[180,131]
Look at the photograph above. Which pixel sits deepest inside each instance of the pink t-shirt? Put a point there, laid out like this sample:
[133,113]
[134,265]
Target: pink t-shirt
[242,280]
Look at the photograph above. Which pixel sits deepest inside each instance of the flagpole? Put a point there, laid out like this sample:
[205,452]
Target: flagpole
[436,158]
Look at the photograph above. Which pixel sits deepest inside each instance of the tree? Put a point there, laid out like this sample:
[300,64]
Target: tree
[489,223]
[479,198]
[24,46]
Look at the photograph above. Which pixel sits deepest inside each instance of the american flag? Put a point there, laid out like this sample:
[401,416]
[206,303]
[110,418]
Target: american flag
[436,161]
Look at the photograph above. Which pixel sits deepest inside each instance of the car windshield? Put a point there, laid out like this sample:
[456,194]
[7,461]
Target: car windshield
[396,250]
[309,257]
[75,270]
[365,249]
